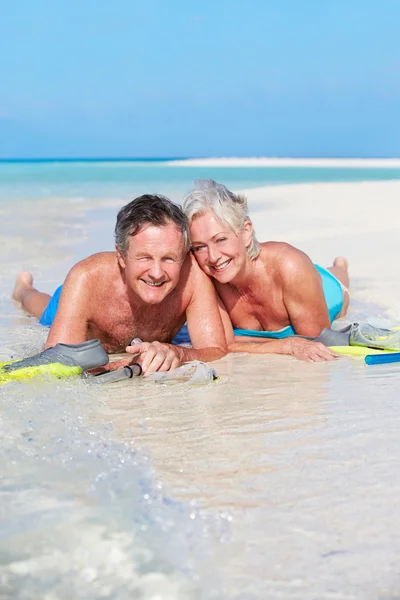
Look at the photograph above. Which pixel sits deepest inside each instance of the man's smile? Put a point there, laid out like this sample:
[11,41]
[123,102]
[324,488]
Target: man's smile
[153,283]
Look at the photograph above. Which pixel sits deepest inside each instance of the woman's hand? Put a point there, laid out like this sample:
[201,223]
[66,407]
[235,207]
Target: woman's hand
[309,351]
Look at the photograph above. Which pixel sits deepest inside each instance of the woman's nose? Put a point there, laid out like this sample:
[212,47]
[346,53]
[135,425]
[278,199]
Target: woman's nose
[213,254]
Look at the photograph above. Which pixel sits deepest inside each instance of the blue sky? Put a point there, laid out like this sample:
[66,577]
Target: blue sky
[211,78]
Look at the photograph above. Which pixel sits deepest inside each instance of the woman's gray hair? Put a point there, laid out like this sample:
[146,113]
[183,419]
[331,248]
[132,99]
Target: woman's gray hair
[228,207]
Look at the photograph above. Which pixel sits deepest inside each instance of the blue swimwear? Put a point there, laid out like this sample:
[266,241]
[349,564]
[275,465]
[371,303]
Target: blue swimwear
[333,291]
[47,317]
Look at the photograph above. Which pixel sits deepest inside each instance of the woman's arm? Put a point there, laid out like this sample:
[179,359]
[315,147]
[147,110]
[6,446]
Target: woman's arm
[298,347]
[294,346]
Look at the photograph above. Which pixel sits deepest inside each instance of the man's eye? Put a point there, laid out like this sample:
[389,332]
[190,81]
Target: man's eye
[169,259]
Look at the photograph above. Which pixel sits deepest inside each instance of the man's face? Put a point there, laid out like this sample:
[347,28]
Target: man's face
[153,262]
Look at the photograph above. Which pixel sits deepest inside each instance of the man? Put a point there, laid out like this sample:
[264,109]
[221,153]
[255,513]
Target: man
[147,289]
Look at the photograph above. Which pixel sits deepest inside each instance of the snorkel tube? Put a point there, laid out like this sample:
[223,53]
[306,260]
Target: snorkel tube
[193,372]
[384,358]
[133,370]
[66,360]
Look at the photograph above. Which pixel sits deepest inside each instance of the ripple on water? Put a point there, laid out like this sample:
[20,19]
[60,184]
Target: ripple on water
[83,514]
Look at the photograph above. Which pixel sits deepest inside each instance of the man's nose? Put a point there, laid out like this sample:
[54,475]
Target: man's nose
[156,271]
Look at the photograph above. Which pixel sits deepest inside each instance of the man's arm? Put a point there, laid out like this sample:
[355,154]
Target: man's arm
[207,321]
[303,294]
[71,321]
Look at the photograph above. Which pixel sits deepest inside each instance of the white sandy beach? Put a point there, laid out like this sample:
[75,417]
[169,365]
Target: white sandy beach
[290,470]
[263,161]
[357,220]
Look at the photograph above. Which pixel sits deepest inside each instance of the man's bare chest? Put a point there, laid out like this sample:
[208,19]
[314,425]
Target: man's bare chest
[118,324]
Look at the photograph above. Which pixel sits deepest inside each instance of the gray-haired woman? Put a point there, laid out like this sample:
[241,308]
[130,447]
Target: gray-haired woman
[269,291]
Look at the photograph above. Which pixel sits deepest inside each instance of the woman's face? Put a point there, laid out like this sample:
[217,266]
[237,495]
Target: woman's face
[220,252]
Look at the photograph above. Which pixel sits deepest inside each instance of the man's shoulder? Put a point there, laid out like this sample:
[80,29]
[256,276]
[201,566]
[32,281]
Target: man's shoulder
[96,262]
[192,278]
[194,273]
[96,268]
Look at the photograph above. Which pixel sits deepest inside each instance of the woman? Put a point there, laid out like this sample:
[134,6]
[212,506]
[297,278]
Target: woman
[270,291]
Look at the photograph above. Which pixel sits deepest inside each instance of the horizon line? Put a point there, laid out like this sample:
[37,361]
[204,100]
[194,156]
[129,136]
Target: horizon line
[189,158]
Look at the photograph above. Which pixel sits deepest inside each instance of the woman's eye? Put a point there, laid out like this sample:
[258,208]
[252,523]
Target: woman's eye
[198,248]
[221,239]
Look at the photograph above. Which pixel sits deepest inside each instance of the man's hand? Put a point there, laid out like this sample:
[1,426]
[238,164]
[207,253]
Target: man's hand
[155,356]
[308,350]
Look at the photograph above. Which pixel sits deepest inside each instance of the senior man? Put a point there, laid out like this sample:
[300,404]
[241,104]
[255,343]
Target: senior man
[146,289]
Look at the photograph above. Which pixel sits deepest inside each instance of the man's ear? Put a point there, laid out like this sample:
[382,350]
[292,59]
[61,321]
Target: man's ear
[247,232]
[120,258]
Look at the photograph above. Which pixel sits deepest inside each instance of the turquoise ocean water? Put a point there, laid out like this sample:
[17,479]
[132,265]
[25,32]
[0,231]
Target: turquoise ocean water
[279,481]
[126,179]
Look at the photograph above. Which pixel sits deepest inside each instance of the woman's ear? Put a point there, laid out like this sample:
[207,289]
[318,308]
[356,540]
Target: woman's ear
[120,258]
[247,232]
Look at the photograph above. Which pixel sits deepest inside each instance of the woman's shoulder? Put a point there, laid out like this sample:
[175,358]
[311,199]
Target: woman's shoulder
[281,257]
[277,249]
[279,252]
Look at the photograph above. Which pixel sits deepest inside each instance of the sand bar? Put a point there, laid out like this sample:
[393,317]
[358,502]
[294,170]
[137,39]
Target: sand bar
[261,161]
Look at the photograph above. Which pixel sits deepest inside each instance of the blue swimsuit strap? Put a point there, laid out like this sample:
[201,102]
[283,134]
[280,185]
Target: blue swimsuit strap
[282,333]
[334,299]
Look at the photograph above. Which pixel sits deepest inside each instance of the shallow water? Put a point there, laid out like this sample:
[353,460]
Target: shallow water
[127,179]
[84,514]
[304,458]
[281,480]
[278,481]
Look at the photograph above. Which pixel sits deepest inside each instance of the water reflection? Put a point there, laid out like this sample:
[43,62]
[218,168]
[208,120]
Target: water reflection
[303,458]
[216,443]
